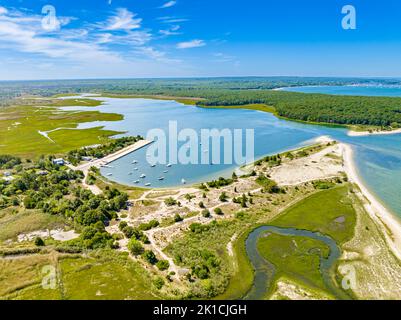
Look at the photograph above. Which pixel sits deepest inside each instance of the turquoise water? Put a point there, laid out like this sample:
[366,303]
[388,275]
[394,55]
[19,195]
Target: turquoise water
[378,158]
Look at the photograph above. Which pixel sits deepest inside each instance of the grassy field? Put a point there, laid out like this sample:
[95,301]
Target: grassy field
[23,221]
[101,275]
[329,212]
[295,257]
[20,126]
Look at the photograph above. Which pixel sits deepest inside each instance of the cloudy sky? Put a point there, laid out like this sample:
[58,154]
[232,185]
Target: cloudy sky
[57,39]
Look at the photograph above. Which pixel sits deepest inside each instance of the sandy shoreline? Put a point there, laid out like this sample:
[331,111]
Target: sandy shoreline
[376,210]
[351,133]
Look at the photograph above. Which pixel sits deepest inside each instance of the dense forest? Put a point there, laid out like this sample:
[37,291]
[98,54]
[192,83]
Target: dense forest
[348,110]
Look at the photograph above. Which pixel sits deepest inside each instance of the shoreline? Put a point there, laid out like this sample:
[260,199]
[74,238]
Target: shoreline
[373,207]
[352,133]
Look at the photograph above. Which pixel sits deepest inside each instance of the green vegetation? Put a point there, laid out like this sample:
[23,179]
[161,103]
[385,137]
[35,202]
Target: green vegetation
[295,257]
[336,218]
[100,151]
[56,191]
[221,182]
[21,127]
[268,185]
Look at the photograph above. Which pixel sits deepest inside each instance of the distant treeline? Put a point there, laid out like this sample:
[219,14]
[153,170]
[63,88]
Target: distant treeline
[348,110]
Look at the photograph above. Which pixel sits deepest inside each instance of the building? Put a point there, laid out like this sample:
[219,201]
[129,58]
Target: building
[59,161]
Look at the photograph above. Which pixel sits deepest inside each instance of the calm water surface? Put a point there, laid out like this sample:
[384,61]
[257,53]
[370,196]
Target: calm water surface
[378,158]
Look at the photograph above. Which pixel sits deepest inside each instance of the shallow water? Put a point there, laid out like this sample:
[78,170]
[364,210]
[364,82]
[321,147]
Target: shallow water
[378,158]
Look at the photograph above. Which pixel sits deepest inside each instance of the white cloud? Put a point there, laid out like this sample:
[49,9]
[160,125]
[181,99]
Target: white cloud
[168,4]
[3,10]
[191,44]
[171,31]
[123,20]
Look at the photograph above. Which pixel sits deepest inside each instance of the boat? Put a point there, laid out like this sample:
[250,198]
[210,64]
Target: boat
[183,181]
[135,162]
[136,169]
[109,174]
[165,171]
[130,174]
[169,165]
[148,185]
[161,178]
[142,176]
[153,165]
[136,181]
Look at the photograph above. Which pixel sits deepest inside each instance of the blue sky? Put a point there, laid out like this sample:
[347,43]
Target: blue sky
[185,38]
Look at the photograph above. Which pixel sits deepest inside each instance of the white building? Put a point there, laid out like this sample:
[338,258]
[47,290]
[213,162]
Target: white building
[59,161]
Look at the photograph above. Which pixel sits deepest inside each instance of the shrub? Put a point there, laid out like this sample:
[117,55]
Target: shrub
[206,213]
[170,202]
[162,265]
[178,218]
[218,211]
[135,247]
[150,257]
[39,242]
[159,283]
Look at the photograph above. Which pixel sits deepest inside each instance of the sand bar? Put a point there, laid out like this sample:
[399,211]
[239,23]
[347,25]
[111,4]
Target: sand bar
[374,208]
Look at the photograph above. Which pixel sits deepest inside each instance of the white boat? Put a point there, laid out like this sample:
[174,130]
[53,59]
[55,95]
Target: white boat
[130,174]
[161,178]
[165,171]
[134,162]
[169,165]
[142,176]
[148,185]
[136,169]
[153,165]
[109,174]
[183,181]
[136,181]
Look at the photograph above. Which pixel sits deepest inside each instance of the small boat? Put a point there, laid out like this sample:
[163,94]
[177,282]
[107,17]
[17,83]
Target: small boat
[153,165]
[135,162]
[142,176]
[130,174]
[169,165]
[136,169]
[165,171]
[136,181]
[109,174]
[161,178]
[148,185]
[183,181]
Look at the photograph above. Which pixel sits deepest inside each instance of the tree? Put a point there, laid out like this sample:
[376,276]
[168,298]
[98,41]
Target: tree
[135,247]
[150,257]
[201,205]
[218,211]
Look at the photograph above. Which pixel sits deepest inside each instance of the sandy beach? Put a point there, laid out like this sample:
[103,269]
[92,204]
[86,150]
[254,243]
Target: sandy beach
[351,133]
[390,224]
